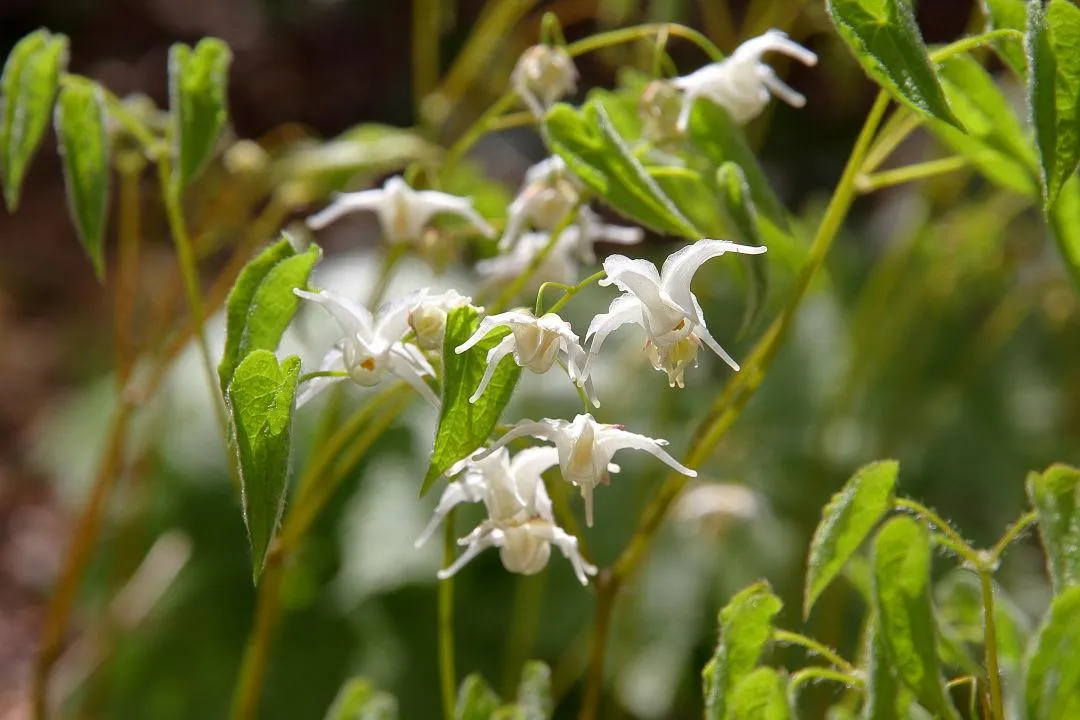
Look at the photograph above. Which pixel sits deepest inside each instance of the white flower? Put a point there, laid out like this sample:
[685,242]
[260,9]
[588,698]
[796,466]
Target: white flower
[741,83]
[662,303]
[371,347]
[550,191]
[586,448]
[717,503]
[403,212]
[535,343]
[559,265]
[520,521]
[427,317]
[591,229]
[543,75]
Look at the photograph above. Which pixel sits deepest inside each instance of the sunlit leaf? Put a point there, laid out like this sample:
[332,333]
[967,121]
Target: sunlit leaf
[746,627]
[359,700]
[885,40]
[28,85]
[846,522]
[761,695]
[1055,494]
[1064,221]
[464,426]
[1053,666]
[476,700]
[198,83]
[1008,15]
[261,401]
[902,559]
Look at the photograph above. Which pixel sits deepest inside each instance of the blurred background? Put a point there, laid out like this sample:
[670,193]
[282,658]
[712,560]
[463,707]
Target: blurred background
[944,334]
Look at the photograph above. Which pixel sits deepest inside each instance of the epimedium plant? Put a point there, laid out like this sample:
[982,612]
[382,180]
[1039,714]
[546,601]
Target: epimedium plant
[667,153]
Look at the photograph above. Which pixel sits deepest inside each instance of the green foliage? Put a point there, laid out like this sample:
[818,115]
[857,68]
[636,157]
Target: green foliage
[1008,15]
[358,699]
[27,89]
[886,697]
[198,86]
[1055,494]
[534,692]
[80,120]
[902,594]
[261,400]
[476,700]
[738,203]
[464,426]
[591,147]
[958,600]
[846,522]
[1053,46]
[761,695]
[1064,220]
[262,302]
[746,628]
[1053,666]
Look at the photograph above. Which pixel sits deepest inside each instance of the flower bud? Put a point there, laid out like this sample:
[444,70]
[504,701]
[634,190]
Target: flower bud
[245,157]
[543,75]
[523,552]
[536,345]
[429,324]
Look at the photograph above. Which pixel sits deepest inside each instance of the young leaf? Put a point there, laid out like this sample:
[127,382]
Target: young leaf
[198,81]
[886,698]
[738,203]
[591,147]
[1055,494]
[959,602]
[1053,40]
[1064,221]
[262,303]
[534,692]
[476,699]
[746,627]
[464,426]
[761,695]
[1008,15]
[846,522]
[359,700]
[902,591]
[1053,665]
[261,400]
[84,147]
[995,142]
[885,40]
[29,82]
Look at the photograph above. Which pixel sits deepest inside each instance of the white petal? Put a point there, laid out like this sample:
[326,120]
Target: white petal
[405,368]
[534,461]
[515,222]
[623,309]
[346,203]
[494,357]
[332,361]
[544,429]
[774,41]
[568,544]
[706,336]
[468,489]
[779,88]
[491,539]
[633,276]
[680,267]
[353,318]
[614,439]
[430,202]
[491,322]
[392,318]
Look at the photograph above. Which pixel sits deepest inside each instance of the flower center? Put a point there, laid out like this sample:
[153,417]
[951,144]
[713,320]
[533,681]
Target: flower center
[535,347]
[675,357]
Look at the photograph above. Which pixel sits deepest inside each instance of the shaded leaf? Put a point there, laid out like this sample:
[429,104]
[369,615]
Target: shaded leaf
[29,82]
[476,700]
[198,82]
[886,697]
[902,591]
[885,40]
[1053,48]
[958,599]
[359,700]
[1055,494]
[83,139]
[534,692]
[846,522]
[261,400]
[1053,666]
[1008,15]
[746,627]
[761,695]
[738,203]
[1064,221]
[464,426]
[262,303]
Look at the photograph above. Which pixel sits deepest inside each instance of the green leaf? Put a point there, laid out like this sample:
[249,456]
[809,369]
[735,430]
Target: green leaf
[886,698]
[1055,494]
[359,700]
[591,147]
[262,302]
[534,692]
[1064,221]
[738,203]
[721,140]
[902,591]
[261,400]
[29,82]
[1008,15]
[476,700]
[198,82]
[995,142]
[1053,666]
[83,139]
[746,627]
[846,522]
[958,598]
[464,426]
[761,695]
[1053,47]
[885,40]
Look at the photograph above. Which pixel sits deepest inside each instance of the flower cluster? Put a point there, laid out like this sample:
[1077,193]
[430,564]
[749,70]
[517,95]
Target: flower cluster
[550,233]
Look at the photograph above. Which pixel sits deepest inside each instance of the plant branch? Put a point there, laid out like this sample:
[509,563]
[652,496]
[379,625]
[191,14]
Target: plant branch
[1014,531]
[986,582]
[606,592]
[919,171]
[785,637]
[447,671]
[961,546]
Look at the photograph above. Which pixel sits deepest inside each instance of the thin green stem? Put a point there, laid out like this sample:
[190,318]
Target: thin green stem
[511,120]
[538,309]
[786,637]
[321,374]
[638,32]
[580,390]
[961,546]
[900,124]
[986,582]
[971,42]
[1014,531]
[513,288]
[447,672]
[571,292]
[810,674]
[130,169]
[257,653]
[909,173]
[594,681]
[394,255]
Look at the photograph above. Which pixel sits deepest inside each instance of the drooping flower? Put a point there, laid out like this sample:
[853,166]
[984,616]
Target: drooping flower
[662,304]
[520,521]
[535,343]
[371,348]
[742,82]
[427,317]
[543,75]
[403,212]
[558,264]
[586,448]
[549,192]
